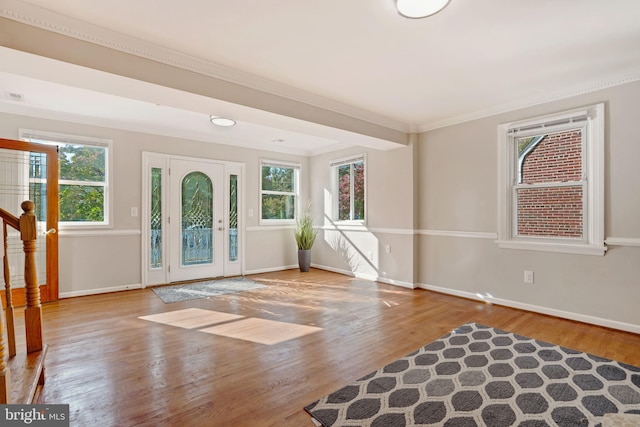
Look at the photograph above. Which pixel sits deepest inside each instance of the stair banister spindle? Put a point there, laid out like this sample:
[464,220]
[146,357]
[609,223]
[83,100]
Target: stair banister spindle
[9,314]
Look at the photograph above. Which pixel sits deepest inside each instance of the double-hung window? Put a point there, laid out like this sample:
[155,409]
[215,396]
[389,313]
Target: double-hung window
[349,188]
[279,190]
[552,182]
[83,180]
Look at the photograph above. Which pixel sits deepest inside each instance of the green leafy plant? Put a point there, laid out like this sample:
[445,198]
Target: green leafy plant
[305,233]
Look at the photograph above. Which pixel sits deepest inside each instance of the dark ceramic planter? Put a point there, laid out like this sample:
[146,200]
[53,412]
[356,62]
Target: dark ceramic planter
[304,259]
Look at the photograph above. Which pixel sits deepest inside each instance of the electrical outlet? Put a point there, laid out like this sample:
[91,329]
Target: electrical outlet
[134,211]
[387,249]
[528,276]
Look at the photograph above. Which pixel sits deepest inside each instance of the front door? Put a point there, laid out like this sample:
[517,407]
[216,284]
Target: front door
[196,220]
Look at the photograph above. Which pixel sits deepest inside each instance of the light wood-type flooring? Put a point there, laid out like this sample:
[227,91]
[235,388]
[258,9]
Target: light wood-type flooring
[257,358]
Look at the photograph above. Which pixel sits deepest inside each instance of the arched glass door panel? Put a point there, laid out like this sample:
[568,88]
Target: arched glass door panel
[197,219]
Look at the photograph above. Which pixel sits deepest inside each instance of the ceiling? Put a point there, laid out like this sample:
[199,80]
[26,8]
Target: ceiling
[357,57]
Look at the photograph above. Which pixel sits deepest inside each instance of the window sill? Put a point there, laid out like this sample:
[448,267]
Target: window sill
[567,248]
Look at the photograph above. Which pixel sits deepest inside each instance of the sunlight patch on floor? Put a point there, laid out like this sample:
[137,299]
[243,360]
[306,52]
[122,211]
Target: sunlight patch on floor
[261,331]
[191,318]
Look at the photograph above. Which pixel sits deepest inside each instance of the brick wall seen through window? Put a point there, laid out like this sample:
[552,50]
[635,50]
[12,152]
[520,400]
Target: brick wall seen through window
[556,209]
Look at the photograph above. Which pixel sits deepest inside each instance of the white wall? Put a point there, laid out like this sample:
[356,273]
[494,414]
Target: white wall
[360,250]
[88,258]
[458,177]
[434,202]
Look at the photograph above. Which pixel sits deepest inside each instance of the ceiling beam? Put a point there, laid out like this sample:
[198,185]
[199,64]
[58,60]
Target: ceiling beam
[42,42]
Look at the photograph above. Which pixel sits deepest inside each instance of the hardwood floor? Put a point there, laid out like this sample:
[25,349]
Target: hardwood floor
[115,369]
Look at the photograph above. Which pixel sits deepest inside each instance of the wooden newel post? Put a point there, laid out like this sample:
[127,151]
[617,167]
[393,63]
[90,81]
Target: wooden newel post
[33,310]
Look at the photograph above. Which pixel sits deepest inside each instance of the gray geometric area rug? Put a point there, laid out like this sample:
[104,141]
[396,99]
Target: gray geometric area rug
[480,376]
[210,288]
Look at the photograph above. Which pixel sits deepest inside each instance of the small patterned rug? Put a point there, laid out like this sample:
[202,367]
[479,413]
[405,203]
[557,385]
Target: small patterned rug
[480,376]
[210,288]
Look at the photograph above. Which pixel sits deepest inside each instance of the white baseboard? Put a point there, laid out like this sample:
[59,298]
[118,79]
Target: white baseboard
[608,323]
[613,324]
[86,292]
[400,283]
[270,269]
[371,277]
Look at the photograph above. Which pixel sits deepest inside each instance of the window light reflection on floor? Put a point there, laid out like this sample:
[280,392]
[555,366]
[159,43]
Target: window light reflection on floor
[256,330]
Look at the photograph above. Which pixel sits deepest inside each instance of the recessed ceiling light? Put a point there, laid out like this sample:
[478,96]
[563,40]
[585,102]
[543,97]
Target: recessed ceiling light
[222,121]
[420,8]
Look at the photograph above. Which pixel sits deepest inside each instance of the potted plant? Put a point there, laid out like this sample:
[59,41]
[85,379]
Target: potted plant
[305,236]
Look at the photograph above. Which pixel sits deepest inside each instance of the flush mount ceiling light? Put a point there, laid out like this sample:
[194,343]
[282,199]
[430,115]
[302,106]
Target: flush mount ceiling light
[420,8]
[222,121]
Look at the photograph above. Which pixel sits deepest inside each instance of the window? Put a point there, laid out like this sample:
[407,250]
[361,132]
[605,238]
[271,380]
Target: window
[233,217]
[349,178]
[552,183]
[156,220]
[279,191]
[83,180]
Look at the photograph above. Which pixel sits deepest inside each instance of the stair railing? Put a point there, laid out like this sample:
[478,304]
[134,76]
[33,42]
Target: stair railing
[26,225]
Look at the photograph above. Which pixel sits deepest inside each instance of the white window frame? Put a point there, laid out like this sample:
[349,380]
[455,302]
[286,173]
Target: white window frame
[296,191]
[52,138]
[333,165]
[591,121]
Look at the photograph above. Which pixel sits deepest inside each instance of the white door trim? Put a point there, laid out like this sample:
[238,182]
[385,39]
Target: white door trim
[159,160]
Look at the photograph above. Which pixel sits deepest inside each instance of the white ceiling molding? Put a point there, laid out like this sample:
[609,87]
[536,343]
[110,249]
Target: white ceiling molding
[51,21]
[549,97]
[596,32]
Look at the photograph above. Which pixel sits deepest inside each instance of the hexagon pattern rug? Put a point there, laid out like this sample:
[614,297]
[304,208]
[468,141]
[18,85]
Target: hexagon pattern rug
[480,376]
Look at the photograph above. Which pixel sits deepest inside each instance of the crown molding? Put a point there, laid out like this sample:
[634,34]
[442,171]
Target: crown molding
[532,102]
[51,21]
[35,16]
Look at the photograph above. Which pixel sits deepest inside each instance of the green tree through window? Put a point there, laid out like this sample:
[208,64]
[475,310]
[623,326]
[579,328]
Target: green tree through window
[278,191]
[82,181]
